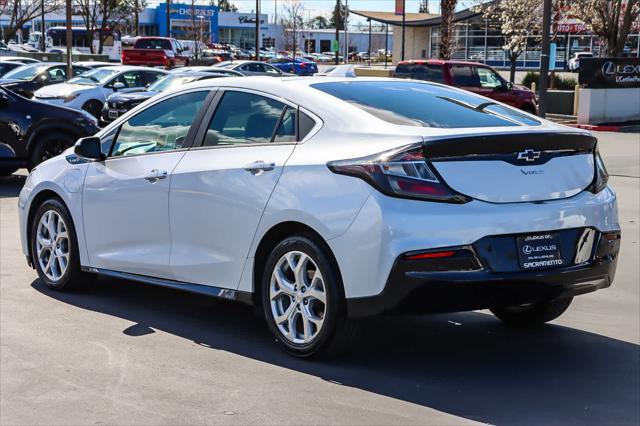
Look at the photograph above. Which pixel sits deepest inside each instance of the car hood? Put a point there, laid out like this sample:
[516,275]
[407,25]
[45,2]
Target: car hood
[4,81]
[62,89]
[141,95]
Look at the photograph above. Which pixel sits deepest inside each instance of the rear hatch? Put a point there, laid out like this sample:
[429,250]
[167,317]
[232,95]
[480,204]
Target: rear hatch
[509,168]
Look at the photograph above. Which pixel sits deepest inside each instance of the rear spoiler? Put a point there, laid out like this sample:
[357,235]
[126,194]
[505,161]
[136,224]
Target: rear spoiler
[508,146]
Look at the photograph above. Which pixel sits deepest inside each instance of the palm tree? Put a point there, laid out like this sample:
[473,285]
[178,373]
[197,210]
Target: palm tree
[447,12]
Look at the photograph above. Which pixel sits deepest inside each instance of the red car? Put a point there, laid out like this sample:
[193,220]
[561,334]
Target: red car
[471,76]
[156,52]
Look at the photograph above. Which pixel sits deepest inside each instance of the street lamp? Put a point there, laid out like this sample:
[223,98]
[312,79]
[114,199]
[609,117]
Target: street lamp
[369,47]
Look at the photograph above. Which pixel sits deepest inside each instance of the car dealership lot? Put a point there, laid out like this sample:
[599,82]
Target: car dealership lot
[128,353]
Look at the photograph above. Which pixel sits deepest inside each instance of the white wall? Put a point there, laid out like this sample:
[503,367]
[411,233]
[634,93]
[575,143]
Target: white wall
[599,106]
[416,43]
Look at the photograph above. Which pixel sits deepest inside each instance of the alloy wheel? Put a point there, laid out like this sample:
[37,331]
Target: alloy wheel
[52,245]
[297,297]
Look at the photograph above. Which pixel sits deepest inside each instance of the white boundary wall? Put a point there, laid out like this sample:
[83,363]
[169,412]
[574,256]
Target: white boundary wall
[608,105]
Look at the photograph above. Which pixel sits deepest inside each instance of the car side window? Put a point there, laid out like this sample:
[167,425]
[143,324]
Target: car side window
[270,70]
[149,77]
[488,78]
[243,118]
[465,76]
[161,127]
[56,73]
[79,70]
[305,125]
[287,128]
[428,72]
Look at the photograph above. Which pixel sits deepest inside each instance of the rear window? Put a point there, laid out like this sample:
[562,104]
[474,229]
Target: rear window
[422,104]
[426,72]
[153,43]
[465,75]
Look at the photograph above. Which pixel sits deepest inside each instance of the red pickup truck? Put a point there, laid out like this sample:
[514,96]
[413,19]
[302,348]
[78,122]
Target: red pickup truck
[471,76]
[156,52]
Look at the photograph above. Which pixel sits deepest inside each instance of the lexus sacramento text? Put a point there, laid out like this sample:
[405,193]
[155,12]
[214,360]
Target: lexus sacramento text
[322,201]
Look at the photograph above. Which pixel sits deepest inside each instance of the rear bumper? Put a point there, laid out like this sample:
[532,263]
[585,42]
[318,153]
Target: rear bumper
[485,275]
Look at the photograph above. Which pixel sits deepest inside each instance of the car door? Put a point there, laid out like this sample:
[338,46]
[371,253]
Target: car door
[13,125]
[220,189]
[126,196]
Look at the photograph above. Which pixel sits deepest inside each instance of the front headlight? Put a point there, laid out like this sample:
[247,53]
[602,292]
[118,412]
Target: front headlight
[70,97]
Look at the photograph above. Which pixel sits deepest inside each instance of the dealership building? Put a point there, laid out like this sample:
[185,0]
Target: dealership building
[235,28]
[480,39]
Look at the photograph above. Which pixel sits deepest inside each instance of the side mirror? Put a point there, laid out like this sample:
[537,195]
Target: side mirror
[508,86]
[119,85]
[90,148]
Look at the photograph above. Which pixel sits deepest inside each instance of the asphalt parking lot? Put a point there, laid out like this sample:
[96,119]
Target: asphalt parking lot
[127,353]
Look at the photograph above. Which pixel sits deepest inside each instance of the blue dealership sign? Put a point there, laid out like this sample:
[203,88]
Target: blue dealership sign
[185,12]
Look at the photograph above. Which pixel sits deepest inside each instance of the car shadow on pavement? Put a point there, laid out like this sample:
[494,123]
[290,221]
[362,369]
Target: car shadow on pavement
[10,186]
[465,364]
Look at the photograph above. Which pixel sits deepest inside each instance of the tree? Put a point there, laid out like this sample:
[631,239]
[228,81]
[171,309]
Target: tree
[21,12]
[519,20]
[424,6]
[319,22]
[337,17]
[291,21]
[447,12]
[225,5]
[612,20]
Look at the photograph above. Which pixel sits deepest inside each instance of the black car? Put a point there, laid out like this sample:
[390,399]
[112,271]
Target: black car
[6,66]
[29,78]
[31,132]
[119,103]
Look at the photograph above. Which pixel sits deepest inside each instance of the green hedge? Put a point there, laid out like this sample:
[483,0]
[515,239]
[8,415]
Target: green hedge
[567,83]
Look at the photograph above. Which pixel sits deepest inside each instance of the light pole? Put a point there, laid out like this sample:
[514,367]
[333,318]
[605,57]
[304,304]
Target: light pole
[69,37]
[168,18]
[544,59]
[257,30]
[44,35]
[404,22]
[369,46]
[346,31]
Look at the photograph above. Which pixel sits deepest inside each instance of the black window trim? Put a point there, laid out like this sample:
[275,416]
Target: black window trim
[189,139]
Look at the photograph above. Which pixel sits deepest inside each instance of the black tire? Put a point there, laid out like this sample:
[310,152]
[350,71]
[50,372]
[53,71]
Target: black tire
[529,109]
[73,277]
[49,145]
[93,107]
[532,314]
[337,332]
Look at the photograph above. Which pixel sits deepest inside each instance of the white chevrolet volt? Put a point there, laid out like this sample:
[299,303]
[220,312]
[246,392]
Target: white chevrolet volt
[323,201]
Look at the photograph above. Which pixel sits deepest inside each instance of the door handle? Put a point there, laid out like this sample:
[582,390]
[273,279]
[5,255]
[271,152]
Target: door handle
[155,175]
[258,167]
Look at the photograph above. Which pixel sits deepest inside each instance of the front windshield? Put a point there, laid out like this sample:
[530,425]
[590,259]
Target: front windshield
[26,72]
[171,81]
[95,77]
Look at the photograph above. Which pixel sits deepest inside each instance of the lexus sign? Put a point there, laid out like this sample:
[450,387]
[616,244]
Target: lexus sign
[610,72]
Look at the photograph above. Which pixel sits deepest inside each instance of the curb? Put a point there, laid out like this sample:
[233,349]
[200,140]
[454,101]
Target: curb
[607,127]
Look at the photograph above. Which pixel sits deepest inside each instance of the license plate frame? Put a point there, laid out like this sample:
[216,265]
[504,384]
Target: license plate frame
[539,251]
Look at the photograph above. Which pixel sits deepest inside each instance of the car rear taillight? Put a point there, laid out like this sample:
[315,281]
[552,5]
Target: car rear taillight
[403,173]
[601,177]
[303,65]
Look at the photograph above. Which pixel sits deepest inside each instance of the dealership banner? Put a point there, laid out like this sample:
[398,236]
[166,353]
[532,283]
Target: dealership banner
[602,73]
